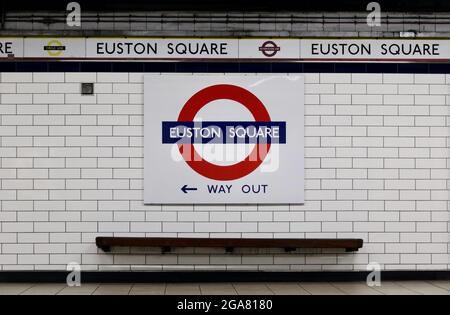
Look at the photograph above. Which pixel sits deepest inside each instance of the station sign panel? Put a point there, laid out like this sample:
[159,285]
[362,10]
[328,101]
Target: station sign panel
[291,49]
[54,48]
[223,138]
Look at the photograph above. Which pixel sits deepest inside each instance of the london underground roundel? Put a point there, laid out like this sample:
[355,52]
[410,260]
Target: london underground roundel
[247,99]
[213,138]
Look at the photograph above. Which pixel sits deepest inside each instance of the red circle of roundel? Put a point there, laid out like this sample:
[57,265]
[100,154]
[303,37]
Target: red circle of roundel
[256,108]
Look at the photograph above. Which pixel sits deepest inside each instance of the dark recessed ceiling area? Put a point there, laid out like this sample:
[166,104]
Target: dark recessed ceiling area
[230,5]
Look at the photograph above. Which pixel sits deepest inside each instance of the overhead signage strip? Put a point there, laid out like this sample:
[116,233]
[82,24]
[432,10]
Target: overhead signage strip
[125,48]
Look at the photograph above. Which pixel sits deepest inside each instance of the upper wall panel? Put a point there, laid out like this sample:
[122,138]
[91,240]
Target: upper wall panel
[226,24]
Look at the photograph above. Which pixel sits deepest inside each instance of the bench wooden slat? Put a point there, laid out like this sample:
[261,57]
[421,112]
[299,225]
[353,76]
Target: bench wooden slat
[105,243]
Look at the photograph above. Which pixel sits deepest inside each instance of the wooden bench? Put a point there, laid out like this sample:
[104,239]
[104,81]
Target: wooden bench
[166,243]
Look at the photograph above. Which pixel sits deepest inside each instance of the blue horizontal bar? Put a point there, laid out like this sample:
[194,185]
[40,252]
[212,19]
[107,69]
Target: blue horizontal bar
[224,132]
[221,67]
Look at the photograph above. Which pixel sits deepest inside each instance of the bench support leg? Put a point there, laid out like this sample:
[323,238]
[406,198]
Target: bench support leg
[106,249]
[165,249]
[229,249]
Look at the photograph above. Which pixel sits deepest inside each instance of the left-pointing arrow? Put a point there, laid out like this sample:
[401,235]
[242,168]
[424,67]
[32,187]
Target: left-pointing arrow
[185,189]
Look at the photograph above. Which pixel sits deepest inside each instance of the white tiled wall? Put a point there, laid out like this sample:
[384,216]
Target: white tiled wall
[377,168]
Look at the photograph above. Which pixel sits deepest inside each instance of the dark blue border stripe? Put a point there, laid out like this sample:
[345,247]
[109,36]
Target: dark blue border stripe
[262,67]
[382,67]
[413,68]
[439,68]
